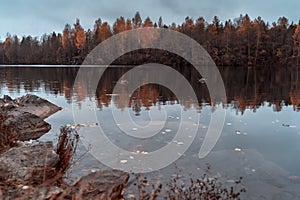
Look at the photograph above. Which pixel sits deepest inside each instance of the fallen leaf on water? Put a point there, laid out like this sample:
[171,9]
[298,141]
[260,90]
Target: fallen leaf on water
[81,125]
[287,125]
[230,181]
[94,125]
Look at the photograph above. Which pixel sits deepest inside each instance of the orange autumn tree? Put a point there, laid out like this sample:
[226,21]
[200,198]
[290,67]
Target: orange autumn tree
[296,38]
[8,47]
[80,37]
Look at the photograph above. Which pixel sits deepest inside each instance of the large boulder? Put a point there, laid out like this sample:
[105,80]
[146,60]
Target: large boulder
[28,164]
[29,103]
[36,105]
[23,126]
[103,184]
[22,118]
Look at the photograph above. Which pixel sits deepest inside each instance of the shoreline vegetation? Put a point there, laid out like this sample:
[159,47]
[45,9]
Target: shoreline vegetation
[238,42]
[30,169]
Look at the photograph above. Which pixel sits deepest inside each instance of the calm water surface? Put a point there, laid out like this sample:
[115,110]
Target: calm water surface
[262,120]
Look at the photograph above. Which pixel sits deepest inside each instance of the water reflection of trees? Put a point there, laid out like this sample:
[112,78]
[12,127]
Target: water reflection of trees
[246,88]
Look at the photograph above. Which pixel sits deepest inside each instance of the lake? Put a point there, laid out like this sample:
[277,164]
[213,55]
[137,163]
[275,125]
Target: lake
[260,140]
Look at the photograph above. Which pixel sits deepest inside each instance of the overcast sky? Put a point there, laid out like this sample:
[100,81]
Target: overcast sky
[34,17]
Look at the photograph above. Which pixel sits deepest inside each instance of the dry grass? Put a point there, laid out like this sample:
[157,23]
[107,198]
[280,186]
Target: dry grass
[205,187]
[66,148]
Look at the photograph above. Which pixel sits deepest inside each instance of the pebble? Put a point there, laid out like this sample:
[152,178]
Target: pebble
[196,123]
[131,196]
[25,187]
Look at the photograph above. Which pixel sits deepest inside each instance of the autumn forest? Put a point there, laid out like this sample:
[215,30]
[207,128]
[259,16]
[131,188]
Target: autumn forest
[238,42]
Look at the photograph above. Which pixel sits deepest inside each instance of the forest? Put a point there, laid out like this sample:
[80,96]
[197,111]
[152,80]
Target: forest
[238,42]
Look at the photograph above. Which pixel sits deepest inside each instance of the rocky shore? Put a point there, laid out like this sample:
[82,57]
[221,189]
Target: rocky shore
[35,170]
